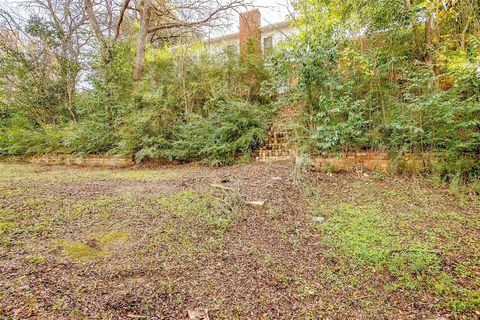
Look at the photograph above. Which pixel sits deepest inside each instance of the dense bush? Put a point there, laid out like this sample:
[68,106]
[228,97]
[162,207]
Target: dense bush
[233,128]
[372,75]
[371,86]
[190,106]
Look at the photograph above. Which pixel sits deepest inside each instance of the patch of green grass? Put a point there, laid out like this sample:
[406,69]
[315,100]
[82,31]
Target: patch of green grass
[8,215]
[275,213]
[80,251]
[100,208]
[459,299]
[195,223]
[464,300]
[305,290]
[188,203]
[34,260]
[409,246]
[202,208]
[11,224]
[113,237]
[367,236]
[7,226]
[35,203]
[93,248]
[11,192]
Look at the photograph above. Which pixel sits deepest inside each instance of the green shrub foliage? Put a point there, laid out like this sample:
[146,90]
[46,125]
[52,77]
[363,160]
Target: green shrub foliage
[232,128]
[400,76]
[373,75]
[191,105]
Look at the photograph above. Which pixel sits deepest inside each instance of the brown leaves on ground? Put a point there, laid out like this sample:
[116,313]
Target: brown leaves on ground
[158,243]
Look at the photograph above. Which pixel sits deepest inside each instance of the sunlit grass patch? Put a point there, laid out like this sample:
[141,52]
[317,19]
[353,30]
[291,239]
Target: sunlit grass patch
[94,247]
[80,251]
[11,225]
[411,246]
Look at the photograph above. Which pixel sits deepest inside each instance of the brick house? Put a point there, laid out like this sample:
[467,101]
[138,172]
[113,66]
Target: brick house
[252,33]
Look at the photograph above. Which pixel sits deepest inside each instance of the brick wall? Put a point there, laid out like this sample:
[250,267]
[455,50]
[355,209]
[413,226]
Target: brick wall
[279,145]
[372,160]
[250,35]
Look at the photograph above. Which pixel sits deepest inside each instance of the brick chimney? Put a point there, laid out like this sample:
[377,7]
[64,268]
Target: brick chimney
[250,36]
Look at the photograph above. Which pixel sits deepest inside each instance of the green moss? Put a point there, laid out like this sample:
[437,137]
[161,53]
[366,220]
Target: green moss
[7,226]
[36,260]
[93,248]
[80,251]
[113,237]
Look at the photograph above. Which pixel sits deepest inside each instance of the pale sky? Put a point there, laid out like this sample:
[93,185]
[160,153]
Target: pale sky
[272,11]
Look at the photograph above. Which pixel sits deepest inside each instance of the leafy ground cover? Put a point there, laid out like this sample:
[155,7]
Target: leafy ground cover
[152,243]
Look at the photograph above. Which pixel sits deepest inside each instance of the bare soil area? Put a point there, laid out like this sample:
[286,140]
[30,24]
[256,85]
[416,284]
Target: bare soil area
[154,243]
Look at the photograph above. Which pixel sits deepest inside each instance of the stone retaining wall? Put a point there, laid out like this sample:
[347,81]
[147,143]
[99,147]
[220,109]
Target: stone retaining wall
[371,160]
[279,145]
[88,161]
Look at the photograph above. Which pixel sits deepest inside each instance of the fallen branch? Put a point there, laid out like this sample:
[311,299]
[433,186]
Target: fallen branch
[134,316]
[219,186]
[255,204]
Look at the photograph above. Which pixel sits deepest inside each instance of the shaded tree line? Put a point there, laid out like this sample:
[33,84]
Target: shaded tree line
[400,76]
[102,76]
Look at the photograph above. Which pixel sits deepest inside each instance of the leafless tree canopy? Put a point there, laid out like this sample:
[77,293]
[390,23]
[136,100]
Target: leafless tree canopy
[77,22]
[107,17]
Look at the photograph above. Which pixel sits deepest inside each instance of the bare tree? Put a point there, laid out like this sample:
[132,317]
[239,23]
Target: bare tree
[52,54]
[157,19]
[69,20]
[142,40]
[95,12]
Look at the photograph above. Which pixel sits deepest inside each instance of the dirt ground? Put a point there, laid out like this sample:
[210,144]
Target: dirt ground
[154,243]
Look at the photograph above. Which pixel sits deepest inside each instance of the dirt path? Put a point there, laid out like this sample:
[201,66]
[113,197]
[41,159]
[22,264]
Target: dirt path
[154,243]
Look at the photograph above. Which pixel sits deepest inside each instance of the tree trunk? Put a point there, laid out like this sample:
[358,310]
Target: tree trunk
[142,41]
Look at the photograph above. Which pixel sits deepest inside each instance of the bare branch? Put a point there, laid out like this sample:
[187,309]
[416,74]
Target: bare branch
[94,22]
[210,17]
[120,18]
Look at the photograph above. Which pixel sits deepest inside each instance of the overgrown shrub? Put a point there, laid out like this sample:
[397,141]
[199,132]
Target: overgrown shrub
[190,105]
[89,136]
[235,127]
[18,136]
[372,78]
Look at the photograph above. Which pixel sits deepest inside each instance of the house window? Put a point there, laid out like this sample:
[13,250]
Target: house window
[267,45]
